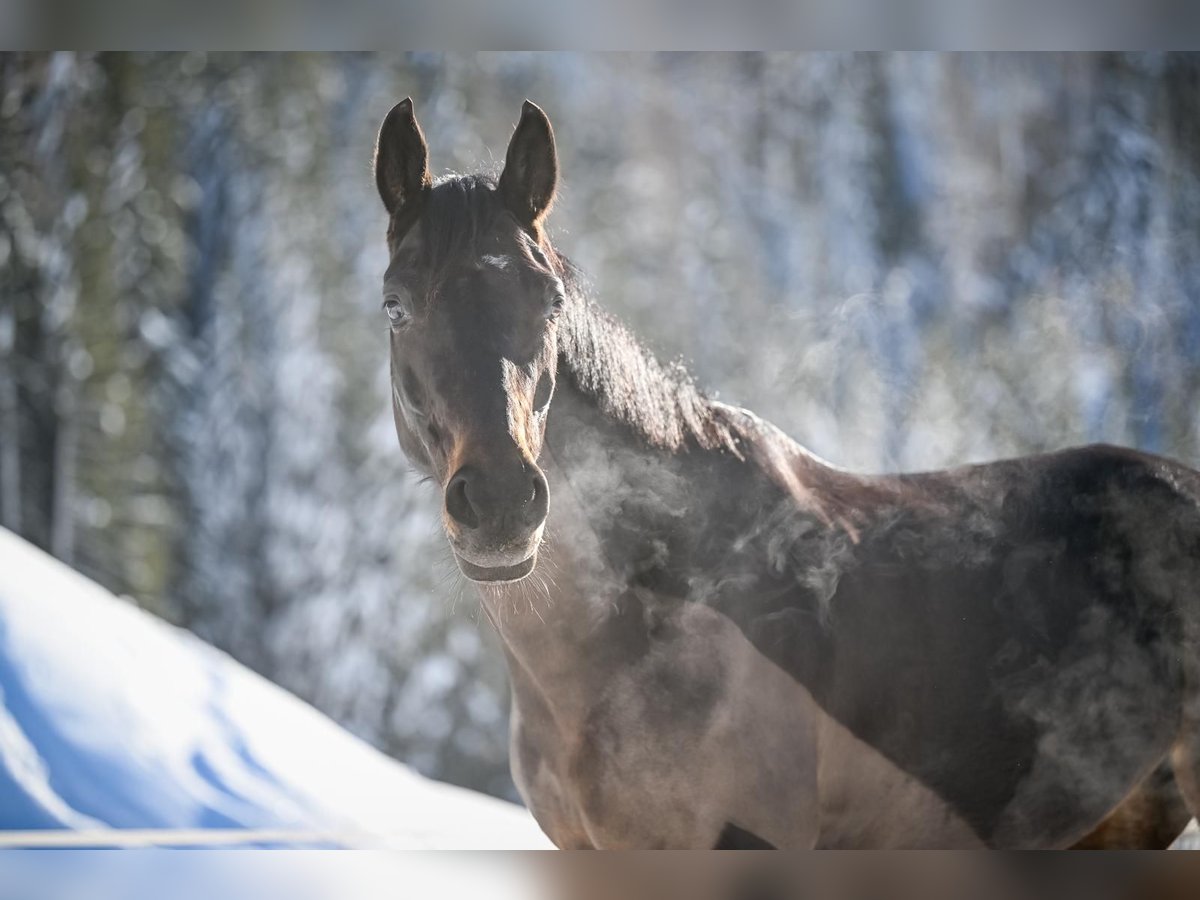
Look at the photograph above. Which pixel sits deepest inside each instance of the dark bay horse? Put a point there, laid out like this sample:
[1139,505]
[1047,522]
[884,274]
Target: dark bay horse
[717,639]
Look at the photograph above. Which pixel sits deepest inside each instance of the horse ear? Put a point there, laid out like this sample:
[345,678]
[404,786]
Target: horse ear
[401,158]
[530,174]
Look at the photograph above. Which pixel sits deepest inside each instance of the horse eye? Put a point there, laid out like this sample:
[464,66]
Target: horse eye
[395,310]
[556,305]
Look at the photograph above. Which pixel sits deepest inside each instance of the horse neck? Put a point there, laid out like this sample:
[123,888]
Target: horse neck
[625,516]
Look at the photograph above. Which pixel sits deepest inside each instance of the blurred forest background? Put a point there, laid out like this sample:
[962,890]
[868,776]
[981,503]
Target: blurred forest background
[906,261]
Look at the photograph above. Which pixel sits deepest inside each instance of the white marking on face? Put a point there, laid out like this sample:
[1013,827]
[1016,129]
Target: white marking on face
[503,263]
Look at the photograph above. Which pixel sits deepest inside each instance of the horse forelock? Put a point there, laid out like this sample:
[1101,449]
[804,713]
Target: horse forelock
[459,212]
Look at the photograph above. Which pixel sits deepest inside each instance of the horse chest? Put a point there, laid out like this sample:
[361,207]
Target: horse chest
[700,733]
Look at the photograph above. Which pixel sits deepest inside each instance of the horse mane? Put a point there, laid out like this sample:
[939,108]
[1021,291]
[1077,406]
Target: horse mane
[607,363]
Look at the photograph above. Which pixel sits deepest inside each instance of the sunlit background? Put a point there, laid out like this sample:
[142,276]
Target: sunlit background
[905,261]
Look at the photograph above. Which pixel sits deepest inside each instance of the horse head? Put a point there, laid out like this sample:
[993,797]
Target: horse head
[471,298]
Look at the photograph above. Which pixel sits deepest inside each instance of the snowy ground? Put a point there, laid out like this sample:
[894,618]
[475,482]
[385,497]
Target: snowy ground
[118,729]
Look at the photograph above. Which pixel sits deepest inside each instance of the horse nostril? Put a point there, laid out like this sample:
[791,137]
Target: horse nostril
[539,503]
[541,394]
[458,501]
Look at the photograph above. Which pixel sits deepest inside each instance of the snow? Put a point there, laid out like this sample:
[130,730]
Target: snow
[113,719]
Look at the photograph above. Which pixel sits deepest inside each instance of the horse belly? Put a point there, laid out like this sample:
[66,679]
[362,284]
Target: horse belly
[1028,735]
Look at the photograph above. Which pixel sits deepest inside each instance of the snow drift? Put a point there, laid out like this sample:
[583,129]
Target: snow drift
[122,729]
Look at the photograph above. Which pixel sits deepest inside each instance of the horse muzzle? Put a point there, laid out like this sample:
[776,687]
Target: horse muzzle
[495,521]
